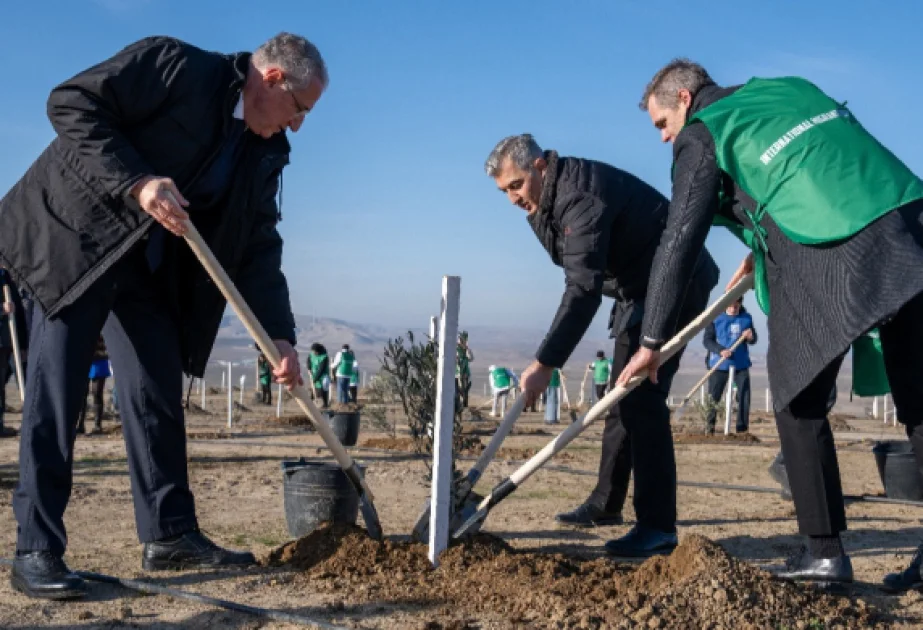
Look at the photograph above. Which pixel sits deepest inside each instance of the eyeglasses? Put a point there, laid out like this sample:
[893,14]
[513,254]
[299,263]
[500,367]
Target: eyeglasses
[299,108]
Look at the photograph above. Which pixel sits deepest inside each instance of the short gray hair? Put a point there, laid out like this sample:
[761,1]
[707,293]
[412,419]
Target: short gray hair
[677,75]
[521,149]
[298,58]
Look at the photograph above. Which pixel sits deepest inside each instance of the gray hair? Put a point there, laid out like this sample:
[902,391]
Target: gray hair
[677,75]
[521,149]
[298,58]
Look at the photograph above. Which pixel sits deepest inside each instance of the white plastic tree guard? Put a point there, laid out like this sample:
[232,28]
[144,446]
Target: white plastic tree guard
[243,384]
[230,397]
[441,496]
[729,402]
[279,401]
[202,389]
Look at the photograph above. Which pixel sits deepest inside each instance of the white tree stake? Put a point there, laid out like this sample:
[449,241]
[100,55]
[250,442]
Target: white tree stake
[729,402]
[230,397]
[202,391]
[243,383]
[279,402]
[441,497]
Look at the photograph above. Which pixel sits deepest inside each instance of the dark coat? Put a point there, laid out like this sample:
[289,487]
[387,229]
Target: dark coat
[602,225]
[821,297]
[158,107]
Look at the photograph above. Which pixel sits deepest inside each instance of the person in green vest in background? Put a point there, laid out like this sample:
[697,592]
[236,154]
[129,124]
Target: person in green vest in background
[464,357]
[834,222]
[553,398]
[354,383]
[343,369]
[501,380]
[318,369]
[265,373]
[600,368]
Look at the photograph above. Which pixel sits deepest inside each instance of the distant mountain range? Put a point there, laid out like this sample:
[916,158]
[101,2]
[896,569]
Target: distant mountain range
[513,347]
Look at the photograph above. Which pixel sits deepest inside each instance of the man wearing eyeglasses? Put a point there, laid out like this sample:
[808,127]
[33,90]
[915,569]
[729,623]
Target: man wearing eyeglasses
[160,133]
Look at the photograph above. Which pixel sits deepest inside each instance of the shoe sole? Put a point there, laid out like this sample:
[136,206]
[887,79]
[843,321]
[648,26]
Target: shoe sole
[20,586]
[584,525]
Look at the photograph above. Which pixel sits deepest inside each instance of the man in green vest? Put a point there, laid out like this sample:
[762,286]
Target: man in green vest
[835,224]
[600,368]
[343,368]
[501,380]
[265,373]
[319,368]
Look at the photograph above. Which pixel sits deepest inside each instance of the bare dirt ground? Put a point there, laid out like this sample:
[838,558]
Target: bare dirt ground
[529,573]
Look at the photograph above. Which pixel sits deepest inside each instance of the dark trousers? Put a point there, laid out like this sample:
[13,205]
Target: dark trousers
[97,388]
[716,384]
[600,390]
[637,437]
[353,393]
[143,343]
[807,442]
[266,393]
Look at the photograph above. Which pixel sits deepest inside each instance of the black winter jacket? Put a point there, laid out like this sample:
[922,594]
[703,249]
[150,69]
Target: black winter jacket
[603,226]
[158,107]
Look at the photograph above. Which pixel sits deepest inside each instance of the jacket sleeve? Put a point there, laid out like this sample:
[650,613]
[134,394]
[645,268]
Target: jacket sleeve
[92,109]
[260,278]
[696,183]
[710,339]
[587,226]
[752,329]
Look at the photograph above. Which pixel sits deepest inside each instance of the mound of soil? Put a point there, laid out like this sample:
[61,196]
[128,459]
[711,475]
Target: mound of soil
[294,421]
[197,410]
[346,408]
[489,428]
[699,586]
[732,438]
[390,444]
[509,453]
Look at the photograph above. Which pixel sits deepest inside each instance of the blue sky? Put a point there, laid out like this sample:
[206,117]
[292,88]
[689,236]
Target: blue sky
[386,191]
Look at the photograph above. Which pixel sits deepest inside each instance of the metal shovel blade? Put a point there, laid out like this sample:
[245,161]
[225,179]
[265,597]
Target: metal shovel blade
[370,516]
[466,504]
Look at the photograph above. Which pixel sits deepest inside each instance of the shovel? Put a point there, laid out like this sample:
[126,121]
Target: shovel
[248,319]
[465,504]
[559,443]
[17,359]
[682,406]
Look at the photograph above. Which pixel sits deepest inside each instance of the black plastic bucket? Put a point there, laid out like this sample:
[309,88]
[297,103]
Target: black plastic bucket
[345,426]
[898,470]
[315,493]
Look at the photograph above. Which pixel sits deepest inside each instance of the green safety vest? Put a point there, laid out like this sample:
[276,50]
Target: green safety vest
[500,378]
[808,163]
[265,373]
[555,378]
[462,366]
[601,371]
[354,378]
[316,361]
[345,368]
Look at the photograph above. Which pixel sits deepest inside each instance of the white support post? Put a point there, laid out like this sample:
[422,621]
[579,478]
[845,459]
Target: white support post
[243,383]
[433,327]
[202,389]
[223,377]
[279,401]
[875,406]
[702,395]
[768,401]
[485,390]
[884,408]
[729,402]
[441,497]
[230,397]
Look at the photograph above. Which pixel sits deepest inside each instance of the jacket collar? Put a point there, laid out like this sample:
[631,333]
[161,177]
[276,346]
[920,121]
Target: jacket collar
[549,183]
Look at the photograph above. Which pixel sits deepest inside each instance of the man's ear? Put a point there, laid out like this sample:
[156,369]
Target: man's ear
[685,97]
[540,164]
[273,75]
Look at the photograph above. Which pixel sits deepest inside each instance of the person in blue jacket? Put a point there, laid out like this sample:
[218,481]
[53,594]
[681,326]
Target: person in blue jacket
[718,338]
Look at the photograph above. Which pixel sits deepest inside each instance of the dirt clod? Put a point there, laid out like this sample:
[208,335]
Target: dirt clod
[699,585]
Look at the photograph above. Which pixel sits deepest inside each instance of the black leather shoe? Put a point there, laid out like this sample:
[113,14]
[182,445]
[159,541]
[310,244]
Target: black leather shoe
[908,578]
[803,567]
[642,542]
[43,574]
[589,515]
[189,551]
